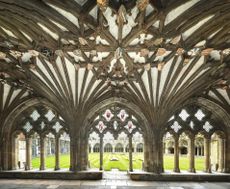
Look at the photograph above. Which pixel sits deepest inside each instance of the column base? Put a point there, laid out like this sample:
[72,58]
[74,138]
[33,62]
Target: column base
[193,170]
[208,171]
[42,168]
[27,168]
[176,170]
[57,168]
[225,170]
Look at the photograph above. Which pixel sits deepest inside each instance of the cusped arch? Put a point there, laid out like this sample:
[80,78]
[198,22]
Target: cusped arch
[108,148]
[119,147]
[123,103]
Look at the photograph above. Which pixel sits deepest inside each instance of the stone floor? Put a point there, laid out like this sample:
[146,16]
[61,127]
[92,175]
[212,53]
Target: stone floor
[111,180]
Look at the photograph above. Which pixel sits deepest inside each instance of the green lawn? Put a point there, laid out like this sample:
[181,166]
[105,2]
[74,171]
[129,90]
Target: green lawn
[123,161]
[50,161]
[183,163]
[122,164]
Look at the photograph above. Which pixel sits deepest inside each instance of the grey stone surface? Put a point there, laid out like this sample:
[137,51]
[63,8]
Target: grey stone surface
[49,184]
[111,180]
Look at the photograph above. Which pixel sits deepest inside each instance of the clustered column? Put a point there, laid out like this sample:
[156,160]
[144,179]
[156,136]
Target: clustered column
[191,154]
[28,153]
[42,153]
[130,154]
[221,157]
[146,155]
[207,154]
[176,154]
[57,153]
[101,152]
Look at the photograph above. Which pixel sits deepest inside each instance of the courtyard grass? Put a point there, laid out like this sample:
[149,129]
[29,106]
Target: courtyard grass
[183,163]
[50,161]
[122,162]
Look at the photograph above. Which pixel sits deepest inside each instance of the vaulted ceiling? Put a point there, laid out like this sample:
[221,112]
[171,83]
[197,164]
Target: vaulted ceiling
[76,53]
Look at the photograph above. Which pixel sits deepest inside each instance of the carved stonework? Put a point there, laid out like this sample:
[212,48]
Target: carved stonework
[142,4]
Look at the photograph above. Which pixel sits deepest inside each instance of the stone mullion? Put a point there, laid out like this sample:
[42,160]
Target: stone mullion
[207,143]
[130,154]
[28,153]
[101,152]
[176,154]
[57,152]
[42,153]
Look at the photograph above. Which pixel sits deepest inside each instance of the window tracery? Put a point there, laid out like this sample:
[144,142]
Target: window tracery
[115,120]
[41,120]
[194,120]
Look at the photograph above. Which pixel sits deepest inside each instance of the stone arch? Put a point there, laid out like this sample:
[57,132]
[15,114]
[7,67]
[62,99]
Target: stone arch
[140,147]
[108,148]
[220,115]
[96,148]
[133,109]
[119,102]
[9,123]
[119,147]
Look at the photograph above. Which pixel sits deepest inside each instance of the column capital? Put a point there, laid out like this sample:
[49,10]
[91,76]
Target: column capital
[176,138]
[27,137]
[191,136]
[207,137]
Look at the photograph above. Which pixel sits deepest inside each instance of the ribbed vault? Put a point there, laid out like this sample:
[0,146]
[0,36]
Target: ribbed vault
[156,54]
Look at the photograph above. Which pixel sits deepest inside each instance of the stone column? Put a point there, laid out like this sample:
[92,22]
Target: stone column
[130,154]
[57,153]
[14,153]
[73,157]
[146,155]
[42,153]
[87,155]
[221,155]
[1,157]
[78,155]
[84,153]
[191,154]
[207,142]
[28,153]
[176,154]
[101,152]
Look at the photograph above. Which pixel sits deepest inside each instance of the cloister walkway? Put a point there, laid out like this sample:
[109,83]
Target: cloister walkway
[106,184]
